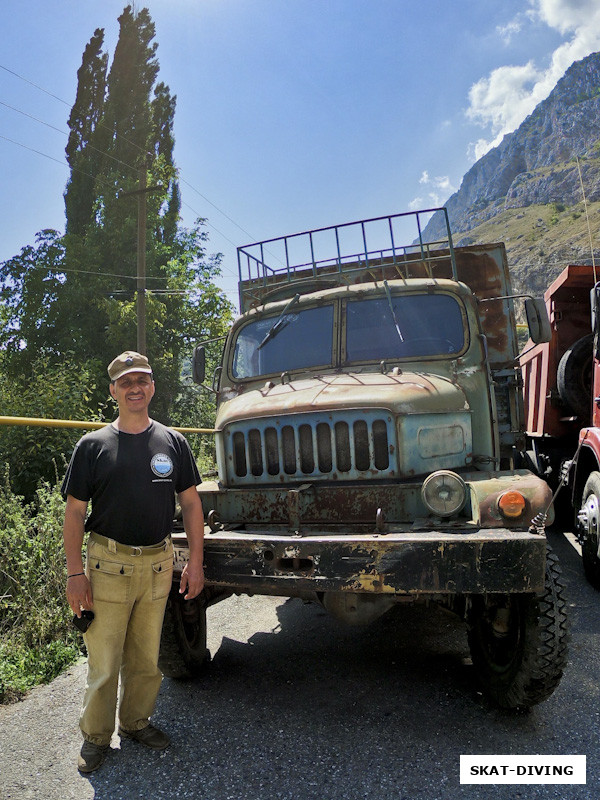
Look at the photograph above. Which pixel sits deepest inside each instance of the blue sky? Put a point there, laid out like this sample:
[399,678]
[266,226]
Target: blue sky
[291,114]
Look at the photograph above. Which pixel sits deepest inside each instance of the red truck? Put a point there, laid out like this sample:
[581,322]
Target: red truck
[562,406]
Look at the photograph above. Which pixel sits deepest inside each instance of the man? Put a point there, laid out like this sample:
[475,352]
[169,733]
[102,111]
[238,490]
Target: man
[130,470]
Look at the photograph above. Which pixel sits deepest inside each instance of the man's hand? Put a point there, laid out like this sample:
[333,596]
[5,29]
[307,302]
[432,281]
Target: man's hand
[192,580]
[79,593]
[192,577]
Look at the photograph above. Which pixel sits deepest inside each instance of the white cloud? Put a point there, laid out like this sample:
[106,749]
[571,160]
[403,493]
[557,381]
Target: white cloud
[566,15]
[444,184]
[501,101]
[439,189]
[441,183]
[512,28]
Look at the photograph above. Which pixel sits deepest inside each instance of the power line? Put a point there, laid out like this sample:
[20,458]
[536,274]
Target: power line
[141,149]
[69,105]
[193,188]
[31,83]
[39,152]
[65,133]
[224,270]
[60,271]
[106,186]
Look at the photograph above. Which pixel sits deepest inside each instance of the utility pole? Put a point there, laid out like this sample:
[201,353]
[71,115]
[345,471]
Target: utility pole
[141,264]
[141,192]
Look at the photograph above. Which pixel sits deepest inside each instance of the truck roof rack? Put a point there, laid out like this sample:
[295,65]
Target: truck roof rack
[317,256]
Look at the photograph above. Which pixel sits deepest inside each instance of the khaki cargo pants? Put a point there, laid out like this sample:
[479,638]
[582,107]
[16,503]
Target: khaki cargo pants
[130,586]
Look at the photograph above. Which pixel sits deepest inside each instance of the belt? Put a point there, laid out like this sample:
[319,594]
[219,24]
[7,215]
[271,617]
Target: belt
[129,549]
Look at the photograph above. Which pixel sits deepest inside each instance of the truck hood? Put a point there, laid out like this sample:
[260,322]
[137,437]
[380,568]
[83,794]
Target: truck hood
[403,394]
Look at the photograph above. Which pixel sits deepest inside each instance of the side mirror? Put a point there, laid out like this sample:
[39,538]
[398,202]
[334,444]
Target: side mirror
[537,320]
[199,365]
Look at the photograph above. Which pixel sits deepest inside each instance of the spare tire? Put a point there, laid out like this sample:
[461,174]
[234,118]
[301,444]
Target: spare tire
[574,377]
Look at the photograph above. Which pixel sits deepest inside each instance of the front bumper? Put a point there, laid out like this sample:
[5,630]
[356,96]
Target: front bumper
[271,561]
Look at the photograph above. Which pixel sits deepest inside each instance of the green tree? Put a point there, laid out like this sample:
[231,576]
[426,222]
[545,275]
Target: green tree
[30,288]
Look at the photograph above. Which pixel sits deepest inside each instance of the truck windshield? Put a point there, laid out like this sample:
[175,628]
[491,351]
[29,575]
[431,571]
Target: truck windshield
[304,339]
[420,325]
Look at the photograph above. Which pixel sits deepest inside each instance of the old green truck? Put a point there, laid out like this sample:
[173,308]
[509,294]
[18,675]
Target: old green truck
[369,420]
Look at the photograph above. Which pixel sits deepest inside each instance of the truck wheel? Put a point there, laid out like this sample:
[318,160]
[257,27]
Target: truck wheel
[518,642]
[183,652]
[588,520]
[574,377]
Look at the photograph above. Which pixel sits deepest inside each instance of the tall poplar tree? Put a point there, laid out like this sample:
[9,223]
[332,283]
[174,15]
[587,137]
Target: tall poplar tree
[115,136]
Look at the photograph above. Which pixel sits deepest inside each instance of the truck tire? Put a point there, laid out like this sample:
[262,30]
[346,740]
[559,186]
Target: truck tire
[588,521]
[574,377]
[183,652]
[518,642]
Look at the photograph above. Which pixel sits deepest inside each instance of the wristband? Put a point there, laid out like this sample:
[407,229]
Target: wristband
[75,574]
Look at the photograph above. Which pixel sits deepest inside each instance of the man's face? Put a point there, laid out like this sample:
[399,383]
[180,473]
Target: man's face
[133,391]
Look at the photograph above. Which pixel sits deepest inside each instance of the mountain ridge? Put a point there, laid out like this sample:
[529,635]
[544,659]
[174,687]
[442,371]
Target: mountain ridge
[542,165]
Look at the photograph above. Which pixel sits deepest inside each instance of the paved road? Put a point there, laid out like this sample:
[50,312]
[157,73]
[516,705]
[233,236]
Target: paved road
[296,706]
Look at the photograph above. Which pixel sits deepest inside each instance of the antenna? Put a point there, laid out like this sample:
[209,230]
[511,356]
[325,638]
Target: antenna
[587,218]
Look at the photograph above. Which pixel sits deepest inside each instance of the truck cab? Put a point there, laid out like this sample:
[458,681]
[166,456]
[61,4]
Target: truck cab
[369,414]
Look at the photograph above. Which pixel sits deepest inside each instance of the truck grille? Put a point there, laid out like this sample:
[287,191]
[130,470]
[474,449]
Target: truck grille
[311,445]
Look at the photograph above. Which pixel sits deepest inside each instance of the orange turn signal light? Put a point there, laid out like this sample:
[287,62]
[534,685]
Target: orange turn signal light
[511,504]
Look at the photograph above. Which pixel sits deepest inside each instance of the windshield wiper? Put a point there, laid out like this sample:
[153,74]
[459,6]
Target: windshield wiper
[391,305]
[280,323]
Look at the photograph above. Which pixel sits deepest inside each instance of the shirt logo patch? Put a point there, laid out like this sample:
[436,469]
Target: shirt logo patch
[161,465]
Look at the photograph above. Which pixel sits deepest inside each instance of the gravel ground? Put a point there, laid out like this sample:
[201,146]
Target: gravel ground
[297,707]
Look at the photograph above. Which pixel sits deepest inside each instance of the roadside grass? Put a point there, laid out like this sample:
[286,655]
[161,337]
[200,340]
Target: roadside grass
[37,641]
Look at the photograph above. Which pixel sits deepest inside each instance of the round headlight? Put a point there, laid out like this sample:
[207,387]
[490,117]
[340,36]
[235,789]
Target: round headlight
[444,493]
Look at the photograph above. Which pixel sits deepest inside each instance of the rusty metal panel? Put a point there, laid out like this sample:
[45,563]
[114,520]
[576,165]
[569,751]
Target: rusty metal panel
[397,563]
[359,506]
[352,504]
[534,369]
[488,489]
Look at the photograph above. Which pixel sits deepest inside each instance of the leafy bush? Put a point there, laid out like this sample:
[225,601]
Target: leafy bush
[50,391]
[36,638]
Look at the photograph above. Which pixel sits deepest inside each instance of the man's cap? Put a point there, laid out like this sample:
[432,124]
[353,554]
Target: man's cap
[129,361]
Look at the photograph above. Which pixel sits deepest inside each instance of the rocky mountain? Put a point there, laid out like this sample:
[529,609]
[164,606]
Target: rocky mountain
[527,191]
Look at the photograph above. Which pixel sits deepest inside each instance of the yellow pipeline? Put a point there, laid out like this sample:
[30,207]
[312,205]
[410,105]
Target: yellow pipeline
[40,422]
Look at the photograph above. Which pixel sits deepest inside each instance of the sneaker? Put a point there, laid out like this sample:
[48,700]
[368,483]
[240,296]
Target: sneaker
[150,736]
[91,756]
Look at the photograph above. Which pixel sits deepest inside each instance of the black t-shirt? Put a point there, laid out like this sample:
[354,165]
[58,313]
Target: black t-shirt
[131,480]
